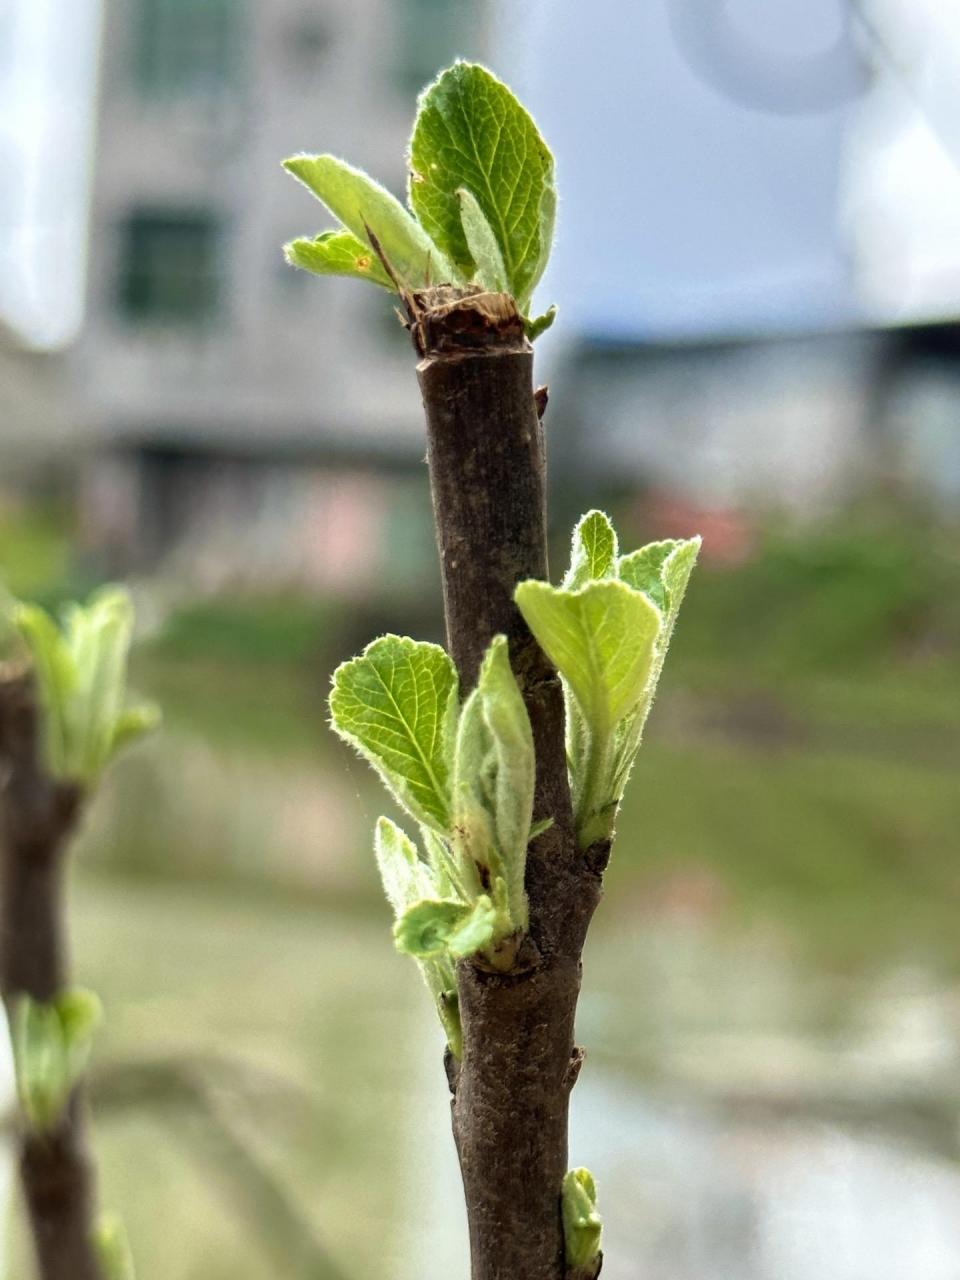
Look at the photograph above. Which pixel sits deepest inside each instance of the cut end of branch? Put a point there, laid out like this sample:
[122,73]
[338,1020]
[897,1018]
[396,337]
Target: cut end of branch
[452,320]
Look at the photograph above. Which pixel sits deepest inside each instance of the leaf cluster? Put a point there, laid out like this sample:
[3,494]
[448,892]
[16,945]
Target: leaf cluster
[81,672]
[51,1046]
[481,200]
[607,629]
[465,775]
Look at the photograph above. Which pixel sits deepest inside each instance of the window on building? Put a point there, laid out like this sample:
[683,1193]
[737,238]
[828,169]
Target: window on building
[186,46]
[430,34]
[170,266]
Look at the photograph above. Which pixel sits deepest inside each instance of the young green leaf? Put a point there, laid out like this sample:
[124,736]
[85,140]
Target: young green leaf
[601,639]
[482,243]
[337,253]
[582,1224]
[494,776]
[471,133]
[397,704]
[352,196]
[406,878]
[594,553]
[539,324]
[81,678]
[113,1248]
[675,561]
[51,1046]
[643,570]
[444,926]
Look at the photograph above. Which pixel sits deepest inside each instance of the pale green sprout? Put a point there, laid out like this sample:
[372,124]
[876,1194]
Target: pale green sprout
[582,1224]
[466,777]
[81,671]
[51,1048]
[607,630]
[113,1248]
[482,200]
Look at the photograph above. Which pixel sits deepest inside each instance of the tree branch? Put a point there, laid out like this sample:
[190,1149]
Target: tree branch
[38,815]
[488,479]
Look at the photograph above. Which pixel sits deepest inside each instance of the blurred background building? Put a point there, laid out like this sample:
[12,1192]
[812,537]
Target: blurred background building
[758,272]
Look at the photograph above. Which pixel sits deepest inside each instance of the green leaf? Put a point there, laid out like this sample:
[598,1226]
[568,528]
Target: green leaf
[582,1224]
[80,1013]
[482,243]
[113,1248]
[676,562]
[337,253]
[443,926]
[494,777]
[539,324]
[594,553]
[51,1044]
[643,570]
[396,704]
[359,202]
[132,724]
[601,639]
[471,133]
[56,676]
[406,878]
[81,674]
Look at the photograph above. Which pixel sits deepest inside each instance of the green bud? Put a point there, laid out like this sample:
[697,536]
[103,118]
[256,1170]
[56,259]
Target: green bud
[582,1224]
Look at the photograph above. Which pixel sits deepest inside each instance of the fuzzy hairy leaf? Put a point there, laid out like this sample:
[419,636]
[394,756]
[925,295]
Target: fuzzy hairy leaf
[471,133]
[446,927]
[494,776]
[643,570]
[406,878]
[482,243]
[396,704]
[594,552]
[352,196]
[601,639]
[582,1224]
[337,253]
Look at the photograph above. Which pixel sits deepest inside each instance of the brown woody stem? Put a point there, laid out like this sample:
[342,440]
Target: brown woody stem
[488,478]
[38,815]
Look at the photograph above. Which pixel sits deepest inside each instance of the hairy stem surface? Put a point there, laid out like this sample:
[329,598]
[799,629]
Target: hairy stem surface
[37,818]
[488,480]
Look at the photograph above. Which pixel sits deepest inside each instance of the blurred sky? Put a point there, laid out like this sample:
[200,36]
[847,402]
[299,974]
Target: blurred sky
[47,91]
[726,166]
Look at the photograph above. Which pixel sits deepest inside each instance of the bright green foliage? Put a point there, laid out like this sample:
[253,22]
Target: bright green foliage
[113,1248]
[337,253]
[467,777]
[482,197]
[489,269]
[359,203]
[494,776]
[582,1224]
[51,1046]
[594,553]
[607,631]
[471,132]
[444,926]
[397,705]
[81,677]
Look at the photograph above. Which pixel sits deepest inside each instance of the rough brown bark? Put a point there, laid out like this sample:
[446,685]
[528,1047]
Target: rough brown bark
[37,818]
[488,479]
